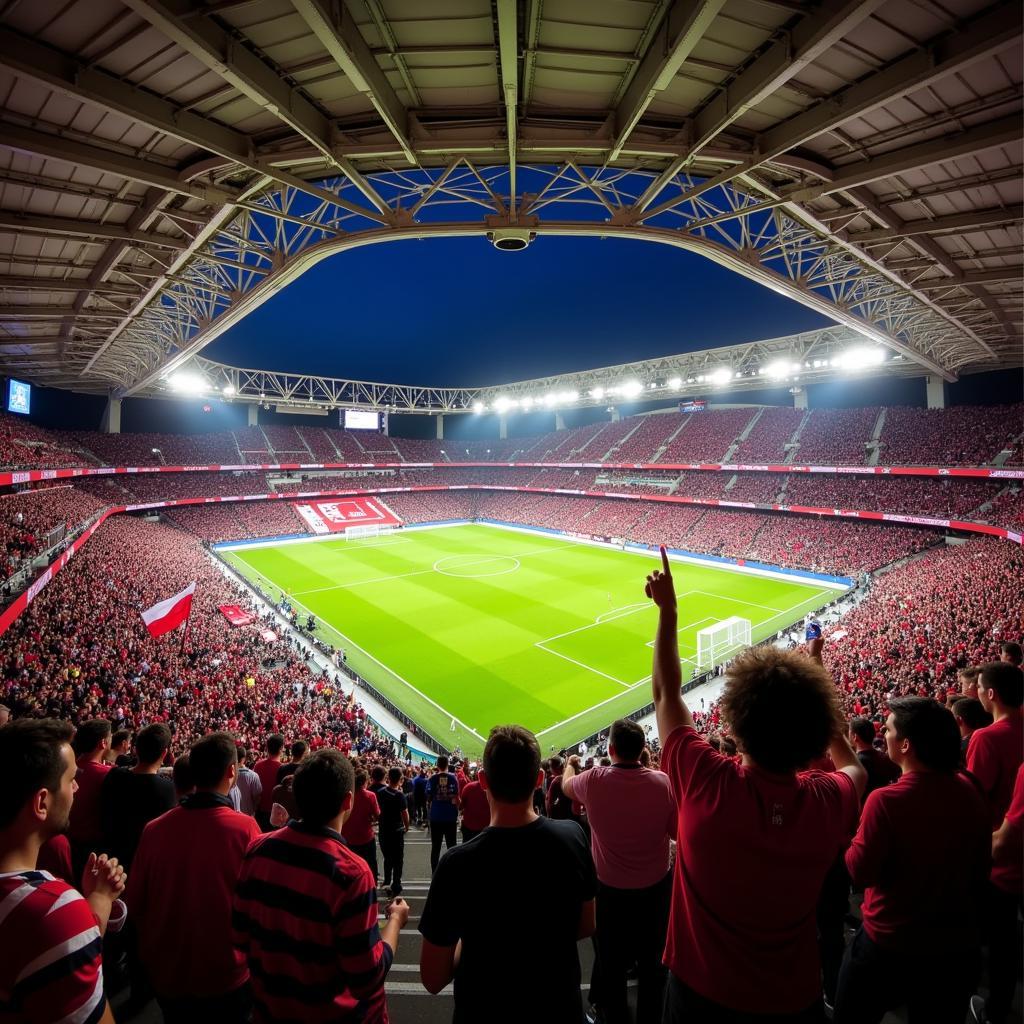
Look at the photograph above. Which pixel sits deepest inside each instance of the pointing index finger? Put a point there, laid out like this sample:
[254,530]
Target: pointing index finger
[664,561]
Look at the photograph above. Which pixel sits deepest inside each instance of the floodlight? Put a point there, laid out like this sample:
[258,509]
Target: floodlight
[675,383]
[860,358]
[190,383]
[776,370]
[228,389]
[632,388]
[570,396]
[503,403]
[550,398]
[597,393]
[722,376]
[478,407]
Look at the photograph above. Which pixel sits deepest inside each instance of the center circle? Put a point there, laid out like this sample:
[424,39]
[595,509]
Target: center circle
[473,567]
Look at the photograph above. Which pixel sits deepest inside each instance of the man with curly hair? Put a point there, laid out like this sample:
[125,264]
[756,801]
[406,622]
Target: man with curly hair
[756,836]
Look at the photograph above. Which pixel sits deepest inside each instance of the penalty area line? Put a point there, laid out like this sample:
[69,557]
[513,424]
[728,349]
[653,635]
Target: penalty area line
[375,660]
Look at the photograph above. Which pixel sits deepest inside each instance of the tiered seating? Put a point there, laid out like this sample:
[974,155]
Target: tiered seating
[763,488]
[767,440]
[836,437]
[831,545]
[348,445]
[708,436]
[924,620]
[239,520]
[319,443]
[944,498]
[705,486]
[609,444]
[436,507]
[573,479]
[85,627]
[1007,510]
[253,445]
[26,519]
[170,486]
[419,449]
[957,435]
[286,444]
[650,435]
[668,524]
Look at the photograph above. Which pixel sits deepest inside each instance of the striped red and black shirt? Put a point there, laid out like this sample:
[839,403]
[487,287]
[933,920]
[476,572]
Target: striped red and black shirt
[305,917]
[51,969]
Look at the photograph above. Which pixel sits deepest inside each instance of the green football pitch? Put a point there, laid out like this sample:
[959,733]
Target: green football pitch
[480,625]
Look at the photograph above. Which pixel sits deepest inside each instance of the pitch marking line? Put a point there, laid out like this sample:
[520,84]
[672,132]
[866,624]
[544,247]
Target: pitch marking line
[587,668]
[376,661]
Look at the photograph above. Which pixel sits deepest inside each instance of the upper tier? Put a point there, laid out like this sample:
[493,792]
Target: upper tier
[956,436]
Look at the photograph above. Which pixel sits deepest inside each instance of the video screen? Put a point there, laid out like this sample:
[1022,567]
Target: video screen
[360,419]
[19,397]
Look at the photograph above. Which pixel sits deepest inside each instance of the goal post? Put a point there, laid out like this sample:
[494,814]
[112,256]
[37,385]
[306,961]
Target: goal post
[368,530]
[721,641]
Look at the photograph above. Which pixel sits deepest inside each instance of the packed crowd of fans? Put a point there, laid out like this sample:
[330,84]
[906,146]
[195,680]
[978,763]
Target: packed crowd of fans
[28,518]
[957,435]
[717,868]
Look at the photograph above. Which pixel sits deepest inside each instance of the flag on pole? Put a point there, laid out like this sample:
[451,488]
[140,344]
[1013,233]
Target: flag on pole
[170,614]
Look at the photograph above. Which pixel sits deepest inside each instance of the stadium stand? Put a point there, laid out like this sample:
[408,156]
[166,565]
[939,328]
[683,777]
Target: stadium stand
[836,436]
[29,517]
[954,436]
[766,441]
[707,436]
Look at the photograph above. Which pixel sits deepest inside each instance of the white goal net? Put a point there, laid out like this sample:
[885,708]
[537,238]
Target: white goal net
[721,641]
[368,530]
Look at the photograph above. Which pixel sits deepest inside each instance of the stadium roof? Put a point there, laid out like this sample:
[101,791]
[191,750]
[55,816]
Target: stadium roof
[167,165]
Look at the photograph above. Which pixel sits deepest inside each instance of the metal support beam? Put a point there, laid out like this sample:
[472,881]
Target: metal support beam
[956,222]
[780,63]
[184,22]
[109,161]
[11,282]
[508,62]
[680,31]
[987,34]
[340,37]
[1001,276]
[86,229]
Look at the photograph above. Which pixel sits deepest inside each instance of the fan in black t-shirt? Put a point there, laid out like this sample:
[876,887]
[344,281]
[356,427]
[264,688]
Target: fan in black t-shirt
[523,876]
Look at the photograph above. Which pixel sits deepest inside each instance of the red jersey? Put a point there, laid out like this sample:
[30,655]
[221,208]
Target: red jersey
[1007,870]
[52,970]
[85,811]
[180,891]
[358,826]
[754,849]
[910,833]
[476,811]
[993,757]
[266,768]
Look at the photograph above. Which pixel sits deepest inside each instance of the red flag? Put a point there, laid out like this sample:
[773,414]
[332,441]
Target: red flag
[170,614]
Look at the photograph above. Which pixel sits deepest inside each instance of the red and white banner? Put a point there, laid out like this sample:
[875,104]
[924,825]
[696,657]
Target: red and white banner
[170,614]
[337,516]
[236,615]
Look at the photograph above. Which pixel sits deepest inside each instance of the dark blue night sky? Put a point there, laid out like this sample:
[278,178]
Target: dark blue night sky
[457,312]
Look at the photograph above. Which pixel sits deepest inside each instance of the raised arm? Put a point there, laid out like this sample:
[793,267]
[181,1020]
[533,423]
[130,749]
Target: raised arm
[667,677]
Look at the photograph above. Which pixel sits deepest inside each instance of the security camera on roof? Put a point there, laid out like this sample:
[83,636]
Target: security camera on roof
[511,239]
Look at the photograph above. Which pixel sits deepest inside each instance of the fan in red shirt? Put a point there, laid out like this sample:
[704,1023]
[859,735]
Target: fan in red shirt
[91,743]
[51,968]
[266,768]
[995,752]
[476,811]
[910,834]
[357,830]
[755,837]
[1005,951]
[181,889]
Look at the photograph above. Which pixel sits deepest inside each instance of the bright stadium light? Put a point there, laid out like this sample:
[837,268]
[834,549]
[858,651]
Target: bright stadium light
[527,402]
[632,388]
[189,383]
[776,370]
[228,389]
[570,396]
[859,358]
[478,407]
[503,404]
[597,394]
[550,398]
[722,376]
[675,383]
